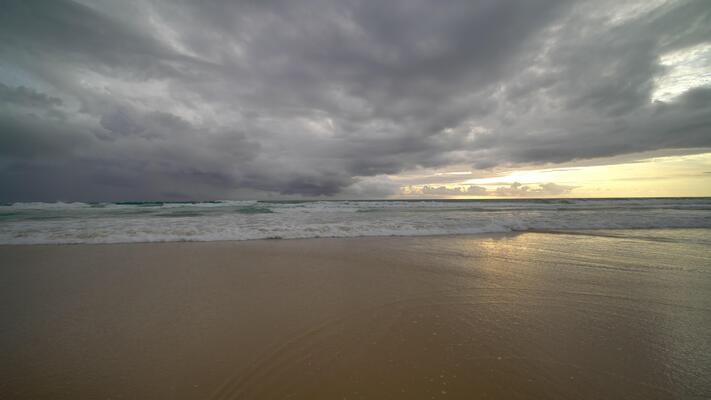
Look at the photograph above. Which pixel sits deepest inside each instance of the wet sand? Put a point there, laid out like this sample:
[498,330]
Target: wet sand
[523,316]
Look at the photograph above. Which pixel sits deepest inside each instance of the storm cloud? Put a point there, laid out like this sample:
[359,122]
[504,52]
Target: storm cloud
[106,100]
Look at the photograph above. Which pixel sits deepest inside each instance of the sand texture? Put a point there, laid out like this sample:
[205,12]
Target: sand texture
[532,315]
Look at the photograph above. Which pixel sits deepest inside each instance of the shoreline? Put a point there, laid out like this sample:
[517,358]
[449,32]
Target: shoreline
[586,232]
[446,235]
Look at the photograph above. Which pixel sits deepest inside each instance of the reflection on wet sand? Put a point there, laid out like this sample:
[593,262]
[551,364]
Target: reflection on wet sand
[513,316]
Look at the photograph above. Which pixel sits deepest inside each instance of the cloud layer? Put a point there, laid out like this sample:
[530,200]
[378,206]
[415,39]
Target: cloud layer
[220,99]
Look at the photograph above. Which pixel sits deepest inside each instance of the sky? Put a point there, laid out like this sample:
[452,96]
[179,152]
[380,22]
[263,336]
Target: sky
[109,100]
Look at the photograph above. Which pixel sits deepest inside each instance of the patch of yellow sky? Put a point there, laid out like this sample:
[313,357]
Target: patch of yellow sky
[661,176]
[646,175]
[667,176]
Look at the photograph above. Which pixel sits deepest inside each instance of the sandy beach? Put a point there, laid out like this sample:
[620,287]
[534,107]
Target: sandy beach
[533,315]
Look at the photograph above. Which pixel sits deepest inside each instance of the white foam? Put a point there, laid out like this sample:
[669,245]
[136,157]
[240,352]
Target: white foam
[35,223]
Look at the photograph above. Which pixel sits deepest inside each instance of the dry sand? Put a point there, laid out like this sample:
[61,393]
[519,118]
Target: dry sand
[511,316]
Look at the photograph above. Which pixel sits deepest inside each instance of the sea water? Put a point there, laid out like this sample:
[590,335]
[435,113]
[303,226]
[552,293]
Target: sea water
[60,223]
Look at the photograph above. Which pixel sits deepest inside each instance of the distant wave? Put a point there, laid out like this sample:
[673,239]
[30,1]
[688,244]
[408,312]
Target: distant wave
[30,223]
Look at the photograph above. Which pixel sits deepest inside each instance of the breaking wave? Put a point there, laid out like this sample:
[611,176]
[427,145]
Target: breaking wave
[35,223]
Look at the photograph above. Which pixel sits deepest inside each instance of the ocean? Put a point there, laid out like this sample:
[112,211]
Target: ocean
[132,222]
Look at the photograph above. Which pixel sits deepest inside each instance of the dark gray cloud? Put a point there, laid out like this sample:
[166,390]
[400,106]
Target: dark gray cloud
[26,97]
[103,100]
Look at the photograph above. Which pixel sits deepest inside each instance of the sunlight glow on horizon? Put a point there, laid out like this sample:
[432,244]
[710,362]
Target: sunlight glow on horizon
[668,176]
